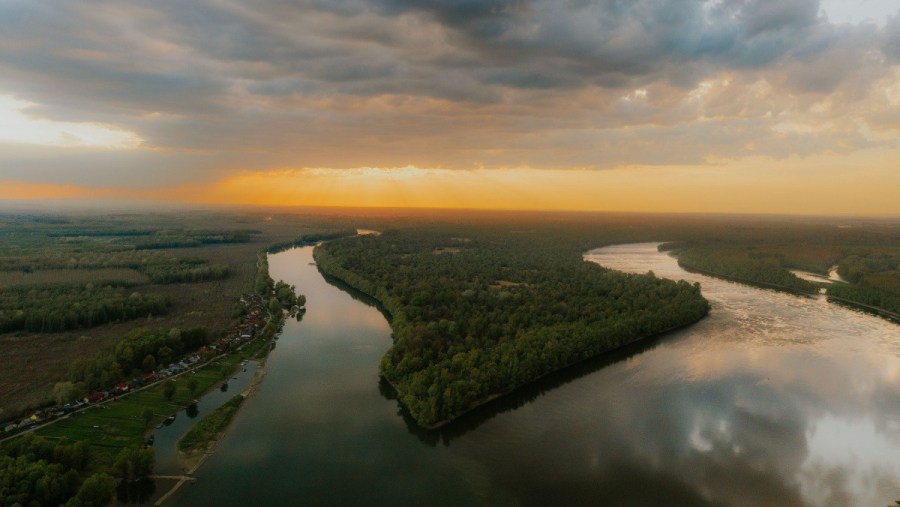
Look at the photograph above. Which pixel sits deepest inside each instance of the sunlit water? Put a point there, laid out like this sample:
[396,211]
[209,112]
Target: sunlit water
[773,399]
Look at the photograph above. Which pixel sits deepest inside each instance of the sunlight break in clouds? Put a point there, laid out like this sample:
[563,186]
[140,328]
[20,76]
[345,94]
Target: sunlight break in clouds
[17,126]
[766,98]
[654,189]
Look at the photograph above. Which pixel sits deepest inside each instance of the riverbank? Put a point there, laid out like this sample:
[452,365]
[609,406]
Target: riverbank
[213,427]
[497,396]
[849,303]
[330,269]
[636,429]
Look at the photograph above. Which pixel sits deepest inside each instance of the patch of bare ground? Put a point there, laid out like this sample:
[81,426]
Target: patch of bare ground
[505,284]
[446,250]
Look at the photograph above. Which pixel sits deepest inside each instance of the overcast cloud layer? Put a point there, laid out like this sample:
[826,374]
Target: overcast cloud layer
[224,85]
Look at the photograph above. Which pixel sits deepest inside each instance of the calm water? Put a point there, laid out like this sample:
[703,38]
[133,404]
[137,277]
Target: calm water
[772,400]
[166,436]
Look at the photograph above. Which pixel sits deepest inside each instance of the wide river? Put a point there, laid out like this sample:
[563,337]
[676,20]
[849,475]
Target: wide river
[773,399]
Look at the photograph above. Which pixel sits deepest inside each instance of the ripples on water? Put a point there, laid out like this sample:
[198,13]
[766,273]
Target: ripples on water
[773,399]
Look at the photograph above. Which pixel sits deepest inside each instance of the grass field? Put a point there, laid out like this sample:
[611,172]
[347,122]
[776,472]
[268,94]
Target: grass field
[119,423]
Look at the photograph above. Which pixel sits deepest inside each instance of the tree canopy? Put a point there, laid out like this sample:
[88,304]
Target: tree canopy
[476,316]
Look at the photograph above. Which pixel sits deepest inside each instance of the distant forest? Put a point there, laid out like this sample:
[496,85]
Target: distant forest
[871,274]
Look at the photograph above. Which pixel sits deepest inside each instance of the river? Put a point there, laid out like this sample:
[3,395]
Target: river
[773,399]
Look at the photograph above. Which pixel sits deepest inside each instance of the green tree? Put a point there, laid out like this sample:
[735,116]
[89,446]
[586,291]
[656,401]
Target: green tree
[64,391]
[169,390]
[96,491]
[274,306]
[132,464]
[192,386]
[149,363]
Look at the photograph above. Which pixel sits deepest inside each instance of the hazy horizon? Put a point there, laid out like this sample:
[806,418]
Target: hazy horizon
[696,106]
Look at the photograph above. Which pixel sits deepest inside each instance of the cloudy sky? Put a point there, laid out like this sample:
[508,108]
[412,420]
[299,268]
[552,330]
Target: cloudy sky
[635,105]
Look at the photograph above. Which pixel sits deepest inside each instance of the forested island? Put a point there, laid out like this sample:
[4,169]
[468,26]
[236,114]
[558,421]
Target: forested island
[869,271]
[476,316]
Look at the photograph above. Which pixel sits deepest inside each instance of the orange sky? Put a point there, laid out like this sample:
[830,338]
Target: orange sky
[597,106]
[748,186]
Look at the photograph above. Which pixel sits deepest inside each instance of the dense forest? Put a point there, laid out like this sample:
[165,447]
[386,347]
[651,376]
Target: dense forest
[476,316]
[61,308]
[741,265]
[38,471]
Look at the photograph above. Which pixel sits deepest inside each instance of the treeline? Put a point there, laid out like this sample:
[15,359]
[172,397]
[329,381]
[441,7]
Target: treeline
[279,295]
[263,283]
[872,274]
[161,268]
[72,232]
[140,351]
[739,265]
[185,271]
[475,317]
[286,297]
[875,275]
[39,471]
[64,307]
[198,239]
[311,239]
[865,295]
[877,268]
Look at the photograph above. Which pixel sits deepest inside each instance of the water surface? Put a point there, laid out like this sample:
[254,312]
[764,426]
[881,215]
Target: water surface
[773,399]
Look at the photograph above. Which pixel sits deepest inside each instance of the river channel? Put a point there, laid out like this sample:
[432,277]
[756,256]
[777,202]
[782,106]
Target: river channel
[773,399]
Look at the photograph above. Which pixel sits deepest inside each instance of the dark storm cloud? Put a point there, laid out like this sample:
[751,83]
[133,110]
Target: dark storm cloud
[511,44]
[255,77]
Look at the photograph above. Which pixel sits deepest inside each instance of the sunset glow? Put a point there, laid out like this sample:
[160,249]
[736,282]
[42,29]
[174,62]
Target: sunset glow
[713,107]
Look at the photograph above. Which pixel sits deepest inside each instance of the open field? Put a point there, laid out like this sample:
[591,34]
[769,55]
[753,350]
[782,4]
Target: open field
[35,361]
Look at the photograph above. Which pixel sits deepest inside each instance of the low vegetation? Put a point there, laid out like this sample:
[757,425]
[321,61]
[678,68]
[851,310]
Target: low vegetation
[205,431]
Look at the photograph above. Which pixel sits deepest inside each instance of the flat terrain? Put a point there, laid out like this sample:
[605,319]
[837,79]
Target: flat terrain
[42,250]
[35,361]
